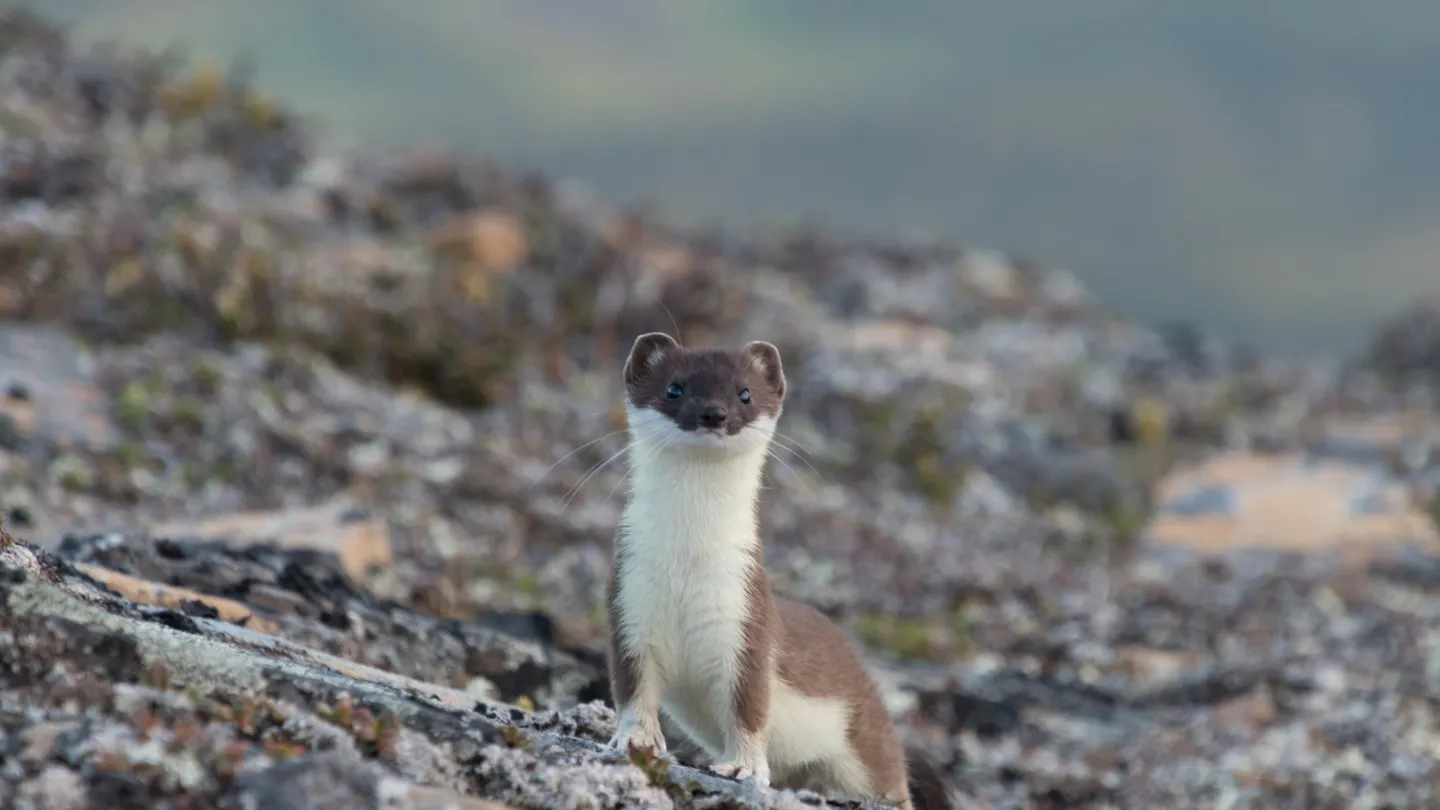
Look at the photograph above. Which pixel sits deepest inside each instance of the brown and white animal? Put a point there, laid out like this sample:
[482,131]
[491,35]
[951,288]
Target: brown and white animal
[770,688]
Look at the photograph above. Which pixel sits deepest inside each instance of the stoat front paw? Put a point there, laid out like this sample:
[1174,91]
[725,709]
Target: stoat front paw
[739,771]
[640,735]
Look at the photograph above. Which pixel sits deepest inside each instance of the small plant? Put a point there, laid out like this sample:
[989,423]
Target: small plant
[189,414]
[229,759]
[206,376]
[157,675]
[1152,422]
[243,714]
[515,737]
[132,410]
[192,96]
[281,750]
[907,638]
[130,455]
[378,736]
[656,769]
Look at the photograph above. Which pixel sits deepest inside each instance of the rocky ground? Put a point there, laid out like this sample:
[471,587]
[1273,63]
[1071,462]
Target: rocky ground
[307,460]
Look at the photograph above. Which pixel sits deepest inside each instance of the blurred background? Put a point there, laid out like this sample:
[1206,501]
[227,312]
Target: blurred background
[1110,333]
[1268,173]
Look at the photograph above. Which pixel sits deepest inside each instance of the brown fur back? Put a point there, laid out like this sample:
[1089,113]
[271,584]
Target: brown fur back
[814,657]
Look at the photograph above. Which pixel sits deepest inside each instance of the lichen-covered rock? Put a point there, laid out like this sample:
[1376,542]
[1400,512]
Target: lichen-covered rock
[143,707]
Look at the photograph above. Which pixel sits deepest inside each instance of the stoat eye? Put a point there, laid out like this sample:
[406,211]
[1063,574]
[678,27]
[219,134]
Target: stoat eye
[674,390]
[745,395]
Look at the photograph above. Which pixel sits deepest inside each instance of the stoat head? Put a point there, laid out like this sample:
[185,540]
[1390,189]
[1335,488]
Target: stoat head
[719,402]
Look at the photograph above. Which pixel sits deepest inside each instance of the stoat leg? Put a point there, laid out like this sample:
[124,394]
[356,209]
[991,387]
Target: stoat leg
[634,683]
[747,738]
[639,728]
[746,759]
[639,708]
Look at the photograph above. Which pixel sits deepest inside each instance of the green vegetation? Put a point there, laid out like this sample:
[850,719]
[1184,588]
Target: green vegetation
[945,638]
[808,95]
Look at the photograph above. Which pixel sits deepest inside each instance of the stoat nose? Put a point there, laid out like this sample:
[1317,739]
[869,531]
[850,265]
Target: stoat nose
[713,416]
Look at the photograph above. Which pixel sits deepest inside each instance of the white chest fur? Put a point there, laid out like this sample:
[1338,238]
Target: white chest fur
[689,536]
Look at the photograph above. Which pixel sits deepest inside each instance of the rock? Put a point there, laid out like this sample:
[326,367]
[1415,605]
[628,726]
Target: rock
[505,752]
[395,794]
[311,783]
[307,598]
[491,241]
[1410,437]
[360,543]
[991,274]
[56,788]
[1288,502]
[183,600]
[48,389]
[1408,343]
[982,497]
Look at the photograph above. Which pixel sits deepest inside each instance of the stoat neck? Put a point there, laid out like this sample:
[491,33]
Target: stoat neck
[712,501]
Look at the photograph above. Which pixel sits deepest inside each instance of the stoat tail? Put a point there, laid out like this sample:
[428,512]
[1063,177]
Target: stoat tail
[928,790]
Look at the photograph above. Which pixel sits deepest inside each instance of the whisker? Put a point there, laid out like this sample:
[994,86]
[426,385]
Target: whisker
[792,450]
[575,490]
[673,323]
[802,459]
[793,441]
[653,449]
[573,452]
[774,455]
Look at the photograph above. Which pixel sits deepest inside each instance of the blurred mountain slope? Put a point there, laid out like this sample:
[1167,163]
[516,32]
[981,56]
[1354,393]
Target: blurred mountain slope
[1208,161]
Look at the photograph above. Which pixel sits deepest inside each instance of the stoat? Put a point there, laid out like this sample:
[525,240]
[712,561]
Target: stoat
[770,688]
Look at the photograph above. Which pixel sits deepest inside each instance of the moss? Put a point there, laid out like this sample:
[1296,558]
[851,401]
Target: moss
[872,421]
[132,410]
[1152,421]
[193,95]
[657,772]
[124,275]
[206,376]
[226,470]
[939,638]
[922,452]
[526,584]
[189,414]
[193,474]
[907,638]
[130,455]
[934,481]
[1127,523]
[260,111]
[74,480]
[961,624]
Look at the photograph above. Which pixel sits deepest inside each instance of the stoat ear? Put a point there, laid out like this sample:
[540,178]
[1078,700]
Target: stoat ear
[647,353]
[766,360]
